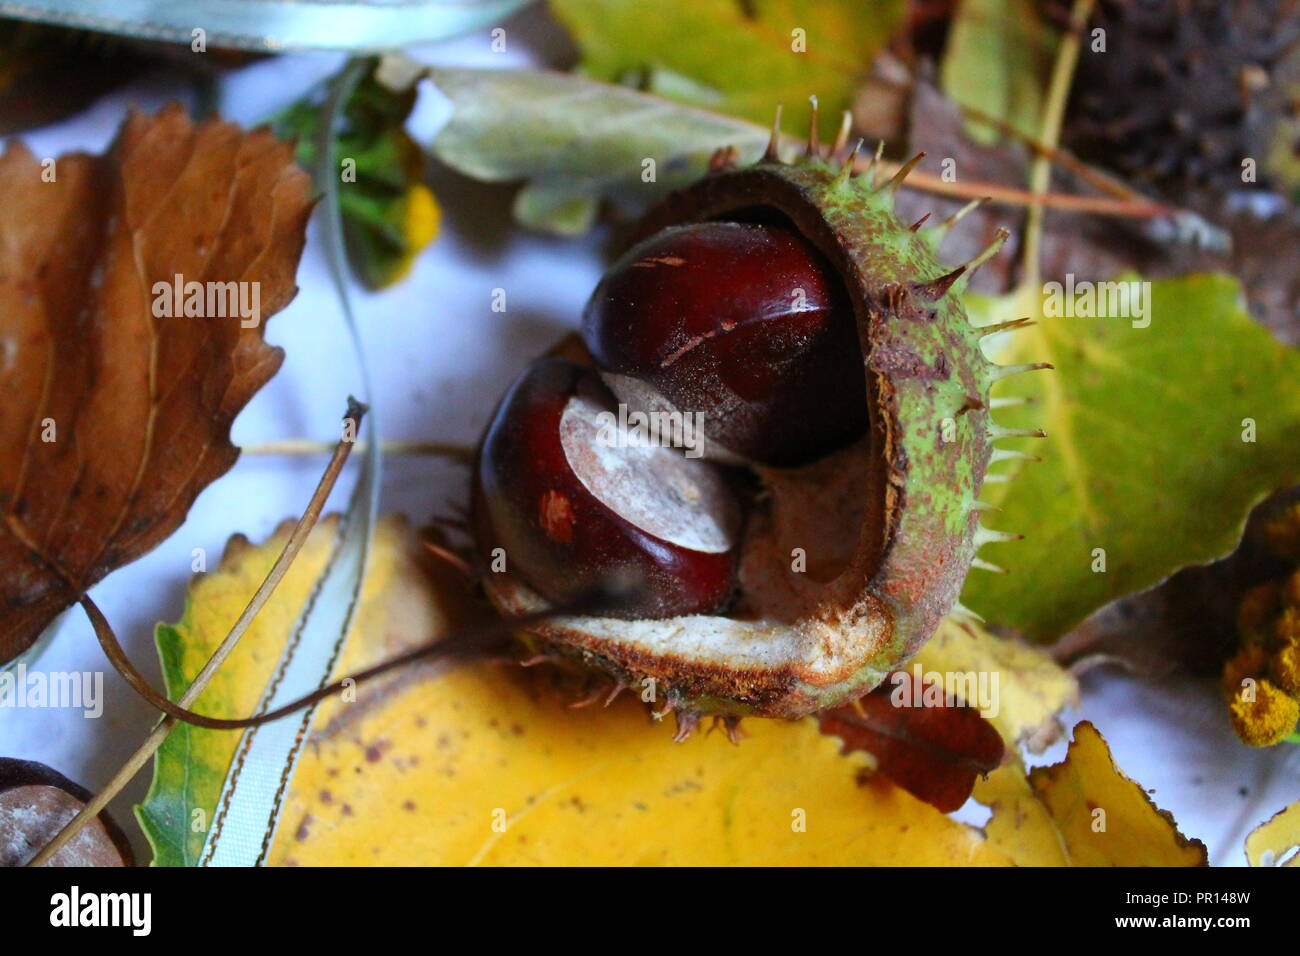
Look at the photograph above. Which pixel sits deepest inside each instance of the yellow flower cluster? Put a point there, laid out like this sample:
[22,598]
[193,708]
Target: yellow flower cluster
[1262,680]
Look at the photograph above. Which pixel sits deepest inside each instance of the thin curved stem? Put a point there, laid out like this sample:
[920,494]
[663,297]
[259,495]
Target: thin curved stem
[1066,160]
[472,641]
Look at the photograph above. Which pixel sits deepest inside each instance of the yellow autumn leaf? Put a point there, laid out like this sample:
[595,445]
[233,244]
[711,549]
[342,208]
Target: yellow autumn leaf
[1272,840]
[481,766]
[406,598]
[1021,826]
[1028,688]
[1082,811]
[483,763]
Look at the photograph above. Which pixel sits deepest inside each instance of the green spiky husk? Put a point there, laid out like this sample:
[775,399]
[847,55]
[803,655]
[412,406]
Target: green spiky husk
[928,391]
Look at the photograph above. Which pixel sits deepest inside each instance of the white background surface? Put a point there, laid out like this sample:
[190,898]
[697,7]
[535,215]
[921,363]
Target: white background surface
[441,357]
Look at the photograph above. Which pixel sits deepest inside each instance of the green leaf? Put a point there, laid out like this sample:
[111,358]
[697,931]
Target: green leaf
[577,141]
[996,61]
[389,215]
[190,767]
[738,58]
[557,210]
[166,809]
[1145,457]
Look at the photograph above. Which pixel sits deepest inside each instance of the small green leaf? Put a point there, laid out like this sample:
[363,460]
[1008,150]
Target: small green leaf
[389,215]
[1149,464]
[555,209]
[996,61]
[187,774]
[738,58]
[577,141]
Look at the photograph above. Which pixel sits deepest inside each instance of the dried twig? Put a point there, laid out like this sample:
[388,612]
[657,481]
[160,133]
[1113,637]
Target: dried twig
[309,446]
[1011,196]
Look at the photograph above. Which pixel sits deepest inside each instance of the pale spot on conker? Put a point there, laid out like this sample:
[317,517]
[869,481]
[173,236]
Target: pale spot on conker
[556,515]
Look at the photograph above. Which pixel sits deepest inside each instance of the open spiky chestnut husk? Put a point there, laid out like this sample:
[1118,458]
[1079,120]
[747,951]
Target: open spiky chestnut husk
[844,400]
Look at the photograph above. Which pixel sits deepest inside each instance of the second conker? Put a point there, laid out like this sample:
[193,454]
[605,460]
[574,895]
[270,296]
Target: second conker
[572,502]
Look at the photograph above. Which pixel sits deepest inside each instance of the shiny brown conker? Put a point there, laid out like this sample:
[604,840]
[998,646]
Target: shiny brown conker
[569,501]
[744,323]
[36,802]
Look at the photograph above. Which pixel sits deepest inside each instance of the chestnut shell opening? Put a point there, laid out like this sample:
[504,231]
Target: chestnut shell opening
[846,488]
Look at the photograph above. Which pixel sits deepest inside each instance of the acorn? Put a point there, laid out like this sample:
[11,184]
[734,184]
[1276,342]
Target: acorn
[843,395]
[35,803]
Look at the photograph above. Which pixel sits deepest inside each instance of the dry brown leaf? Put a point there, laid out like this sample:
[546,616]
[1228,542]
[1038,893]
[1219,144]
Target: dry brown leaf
[935,752]
[932,748]
[139,407]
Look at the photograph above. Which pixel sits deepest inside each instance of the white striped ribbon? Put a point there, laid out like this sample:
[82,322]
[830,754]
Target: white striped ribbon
[249,807]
